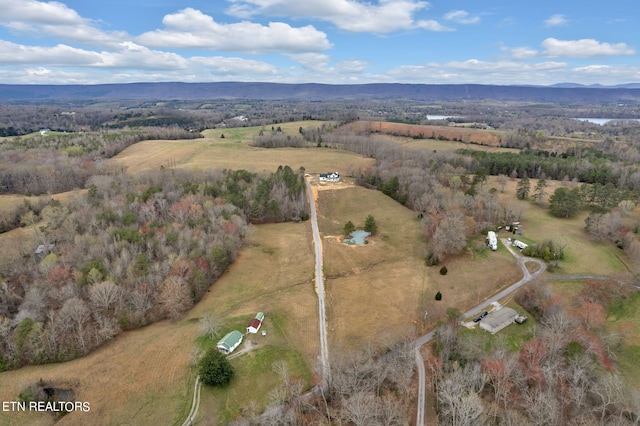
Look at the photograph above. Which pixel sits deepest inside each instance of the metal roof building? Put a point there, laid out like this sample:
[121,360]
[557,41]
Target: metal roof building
[497,320]
[230,342]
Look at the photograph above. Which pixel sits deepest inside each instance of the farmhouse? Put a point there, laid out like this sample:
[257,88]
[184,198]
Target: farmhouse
[255,323]
[497,320]
[492,240]
[230,342]
[330,177]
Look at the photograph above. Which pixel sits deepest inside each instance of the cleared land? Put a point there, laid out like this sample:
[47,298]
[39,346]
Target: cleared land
[235,152]
[582,255]
[447,133]
[379,292]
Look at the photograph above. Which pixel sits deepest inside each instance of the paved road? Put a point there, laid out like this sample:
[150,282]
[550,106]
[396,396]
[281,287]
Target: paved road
[324,347]
[527,276]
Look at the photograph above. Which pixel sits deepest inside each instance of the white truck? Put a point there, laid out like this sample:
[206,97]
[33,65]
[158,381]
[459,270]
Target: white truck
[492,240]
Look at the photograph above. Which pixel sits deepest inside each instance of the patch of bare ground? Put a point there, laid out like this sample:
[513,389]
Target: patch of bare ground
[532,267]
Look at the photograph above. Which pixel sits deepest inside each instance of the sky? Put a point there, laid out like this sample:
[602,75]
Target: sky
[500,42]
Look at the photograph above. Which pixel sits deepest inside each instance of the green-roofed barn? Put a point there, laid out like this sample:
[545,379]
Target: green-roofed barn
[230,342]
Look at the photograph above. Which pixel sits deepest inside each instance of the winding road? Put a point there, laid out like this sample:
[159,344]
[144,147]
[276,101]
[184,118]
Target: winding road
[527,276]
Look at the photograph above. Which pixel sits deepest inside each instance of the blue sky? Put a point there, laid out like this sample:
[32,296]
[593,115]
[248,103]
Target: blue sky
[322,41]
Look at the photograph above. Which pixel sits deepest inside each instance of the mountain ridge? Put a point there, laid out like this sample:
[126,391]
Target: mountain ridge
[567,92]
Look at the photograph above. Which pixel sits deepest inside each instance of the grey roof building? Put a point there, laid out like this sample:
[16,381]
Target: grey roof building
[497,320]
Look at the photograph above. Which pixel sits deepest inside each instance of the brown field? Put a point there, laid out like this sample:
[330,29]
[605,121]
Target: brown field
[474,136]
[440,146]
[235,152]
[378,292]
[143,376]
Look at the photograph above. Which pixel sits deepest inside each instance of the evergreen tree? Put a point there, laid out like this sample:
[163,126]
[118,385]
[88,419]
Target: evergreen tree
[370,225]
[523,188]
[348,228]
[540,191]
[564,202]
[214,369]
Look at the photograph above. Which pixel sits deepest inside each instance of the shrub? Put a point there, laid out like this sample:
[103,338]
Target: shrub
[443,270]
[215,369]
[438,296]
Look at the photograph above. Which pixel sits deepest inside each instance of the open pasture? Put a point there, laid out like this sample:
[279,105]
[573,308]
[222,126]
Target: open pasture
[491,138]
[234,151]
[379,292]
[582,255]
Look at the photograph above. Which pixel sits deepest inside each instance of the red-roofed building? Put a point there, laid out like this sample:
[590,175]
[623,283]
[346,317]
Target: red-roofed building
[255,323]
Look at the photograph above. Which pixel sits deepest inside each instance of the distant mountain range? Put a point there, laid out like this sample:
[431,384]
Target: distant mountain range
[564,92]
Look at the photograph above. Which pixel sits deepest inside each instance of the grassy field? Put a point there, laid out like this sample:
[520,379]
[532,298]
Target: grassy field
[582,255]
[143,376]
[379,292]
[235,152]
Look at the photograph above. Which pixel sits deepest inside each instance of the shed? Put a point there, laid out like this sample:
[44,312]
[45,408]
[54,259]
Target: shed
[497,320]
[255,323]
[230,342]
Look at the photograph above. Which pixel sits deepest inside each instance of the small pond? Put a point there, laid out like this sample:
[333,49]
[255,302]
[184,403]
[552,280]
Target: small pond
[357,237]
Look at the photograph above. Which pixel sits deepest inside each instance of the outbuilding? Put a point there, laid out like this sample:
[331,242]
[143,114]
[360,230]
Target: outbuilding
[497,320]
[230,342]
[255,323]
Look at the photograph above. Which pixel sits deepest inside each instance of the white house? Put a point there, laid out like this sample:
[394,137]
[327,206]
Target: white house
[492,240]
[330,177]
[230,342]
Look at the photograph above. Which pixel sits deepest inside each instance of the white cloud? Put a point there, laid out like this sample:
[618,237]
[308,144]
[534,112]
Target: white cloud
[480,72]
[584,48]
[311,61]
[54,19]
[556,21]
[349,15]
[351,67]
[461,17]
[221,65]
[190,28]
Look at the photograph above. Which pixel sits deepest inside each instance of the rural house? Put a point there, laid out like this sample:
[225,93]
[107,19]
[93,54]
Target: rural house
[497,320]
[330,177]
[255,323]
[230,342]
